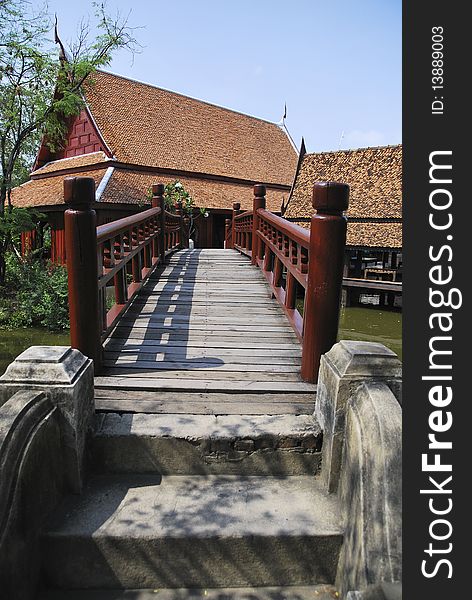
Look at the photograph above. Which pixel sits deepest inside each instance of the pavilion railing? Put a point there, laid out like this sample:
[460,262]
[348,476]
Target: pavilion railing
[290,256]
[117,257]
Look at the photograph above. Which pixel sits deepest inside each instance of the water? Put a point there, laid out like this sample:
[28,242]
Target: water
[13,342]
[372,325]
[356,323]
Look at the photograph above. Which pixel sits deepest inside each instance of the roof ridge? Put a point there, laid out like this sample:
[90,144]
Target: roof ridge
[152,85]
[346,151]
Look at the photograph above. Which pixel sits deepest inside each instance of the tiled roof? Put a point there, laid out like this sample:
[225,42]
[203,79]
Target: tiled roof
[373,174]
[48,191]
[150,126]
[132,187]
[75,162]
[370,235]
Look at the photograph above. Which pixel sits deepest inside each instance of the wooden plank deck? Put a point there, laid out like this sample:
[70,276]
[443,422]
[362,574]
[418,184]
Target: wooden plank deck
[204,336]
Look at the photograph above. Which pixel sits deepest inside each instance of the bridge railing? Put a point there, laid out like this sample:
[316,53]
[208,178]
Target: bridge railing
[118,257]
[291,256]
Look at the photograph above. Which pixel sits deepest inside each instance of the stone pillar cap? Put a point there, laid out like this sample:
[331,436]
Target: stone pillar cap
[46,365]
[359,359]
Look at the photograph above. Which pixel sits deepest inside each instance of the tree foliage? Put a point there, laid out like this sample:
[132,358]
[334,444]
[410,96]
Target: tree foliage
[174,193]
[35,295]
[41,88]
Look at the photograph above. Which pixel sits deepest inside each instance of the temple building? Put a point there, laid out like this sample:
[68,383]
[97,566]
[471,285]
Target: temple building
[131,135]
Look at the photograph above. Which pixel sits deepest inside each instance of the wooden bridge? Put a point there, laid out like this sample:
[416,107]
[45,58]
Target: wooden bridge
[205,331]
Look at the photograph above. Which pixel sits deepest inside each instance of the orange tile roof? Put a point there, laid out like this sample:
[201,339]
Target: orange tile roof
[370,234]
[146,125]
[75,162]
[48,191]
[133,187]
[373,174]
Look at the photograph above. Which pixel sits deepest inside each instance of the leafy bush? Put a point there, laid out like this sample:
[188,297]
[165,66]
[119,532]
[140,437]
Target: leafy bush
[34,295]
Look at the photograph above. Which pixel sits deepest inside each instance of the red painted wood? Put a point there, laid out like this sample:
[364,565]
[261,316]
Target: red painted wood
[325,269]
[259,202]
[158,202]
[82,266]
[82,138]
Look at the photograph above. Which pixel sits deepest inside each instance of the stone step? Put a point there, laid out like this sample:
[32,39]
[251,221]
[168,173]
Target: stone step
[143,532]
[314,592]
[189,444]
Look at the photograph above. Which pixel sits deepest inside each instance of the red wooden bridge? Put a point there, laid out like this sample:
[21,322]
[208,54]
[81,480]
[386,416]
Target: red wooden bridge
[233,331]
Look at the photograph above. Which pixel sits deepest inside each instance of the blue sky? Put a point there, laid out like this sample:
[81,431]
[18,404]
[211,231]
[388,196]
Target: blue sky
[336,63]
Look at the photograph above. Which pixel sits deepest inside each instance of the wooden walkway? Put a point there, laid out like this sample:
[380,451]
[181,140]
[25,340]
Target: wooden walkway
[204,336]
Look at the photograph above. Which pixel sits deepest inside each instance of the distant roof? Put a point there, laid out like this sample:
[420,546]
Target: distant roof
[371,234]
[375,200]
[146,125]
[373,174]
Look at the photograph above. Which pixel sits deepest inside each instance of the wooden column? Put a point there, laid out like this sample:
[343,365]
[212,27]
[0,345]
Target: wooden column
[82,267]
[158,202]
[258,202]
[325,269]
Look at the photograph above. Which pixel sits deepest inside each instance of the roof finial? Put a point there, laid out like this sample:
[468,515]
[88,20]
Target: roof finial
[62,52]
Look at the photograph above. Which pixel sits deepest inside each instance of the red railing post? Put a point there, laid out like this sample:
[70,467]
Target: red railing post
[180,213]
[325,269]
[228,244]
[158,202]
[258,202]
[236,211]
[82,267]
[186,231]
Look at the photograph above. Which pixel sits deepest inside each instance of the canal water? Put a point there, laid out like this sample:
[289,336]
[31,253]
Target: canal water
[356,323]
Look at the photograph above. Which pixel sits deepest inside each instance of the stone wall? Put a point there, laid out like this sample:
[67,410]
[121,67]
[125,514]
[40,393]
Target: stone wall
[359,411]
[46,411]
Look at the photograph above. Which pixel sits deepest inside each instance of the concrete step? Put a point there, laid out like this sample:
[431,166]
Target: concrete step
[185,444]
[315,592]
[143,532]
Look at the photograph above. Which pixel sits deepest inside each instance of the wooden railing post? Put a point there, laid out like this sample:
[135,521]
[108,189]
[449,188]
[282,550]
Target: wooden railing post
[228,244]
[236,211]
[158,202]
[180,213]
[325,269]
[186,231]
[82,267]
[258,202]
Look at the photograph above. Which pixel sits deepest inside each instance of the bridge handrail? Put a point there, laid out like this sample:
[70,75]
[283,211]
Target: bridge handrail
[124,252]
[108,230]
[289,255]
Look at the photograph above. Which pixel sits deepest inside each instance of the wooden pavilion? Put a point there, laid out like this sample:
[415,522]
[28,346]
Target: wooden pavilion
[131,135]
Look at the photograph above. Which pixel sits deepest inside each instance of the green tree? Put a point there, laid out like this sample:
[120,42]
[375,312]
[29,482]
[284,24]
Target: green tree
[174,193]
[41,88]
